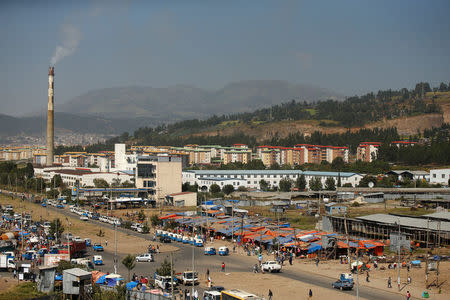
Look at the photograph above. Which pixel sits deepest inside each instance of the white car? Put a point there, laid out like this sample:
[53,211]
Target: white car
[46,224]
[84,218]
[148,257]
[271,266]
[77,239]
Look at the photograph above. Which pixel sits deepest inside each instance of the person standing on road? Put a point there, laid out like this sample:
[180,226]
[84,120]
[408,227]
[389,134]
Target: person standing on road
[408,295]
[270,294]
[310,294]
[223,267]
[106,243]
[389,282]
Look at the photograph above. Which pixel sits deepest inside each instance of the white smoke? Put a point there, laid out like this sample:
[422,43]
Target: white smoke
[71,37]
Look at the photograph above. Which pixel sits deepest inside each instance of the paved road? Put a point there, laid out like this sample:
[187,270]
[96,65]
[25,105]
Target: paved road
[183,261]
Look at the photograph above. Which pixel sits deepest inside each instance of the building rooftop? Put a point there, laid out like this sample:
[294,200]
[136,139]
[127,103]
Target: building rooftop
[439,215]
[271,172]
[409,221]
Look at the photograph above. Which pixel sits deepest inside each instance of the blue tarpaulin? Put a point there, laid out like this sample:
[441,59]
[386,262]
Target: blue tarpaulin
[314,247]
[131,285]
[101,280]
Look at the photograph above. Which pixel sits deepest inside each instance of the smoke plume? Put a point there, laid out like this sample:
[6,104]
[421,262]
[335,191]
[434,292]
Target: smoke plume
[71,37]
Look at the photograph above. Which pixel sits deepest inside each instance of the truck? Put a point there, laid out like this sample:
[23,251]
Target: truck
[7,262]
[189,277]
[54,259]
[77,249]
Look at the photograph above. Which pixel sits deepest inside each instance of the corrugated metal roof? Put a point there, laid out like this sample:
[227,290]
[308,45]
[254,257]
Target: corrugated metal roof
[406,221]
[440,215]
[270,172]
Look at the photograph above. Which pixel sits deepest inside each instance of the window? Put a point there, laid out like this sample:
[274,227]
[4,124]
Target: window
[248,182]
[443,175]
[434,175]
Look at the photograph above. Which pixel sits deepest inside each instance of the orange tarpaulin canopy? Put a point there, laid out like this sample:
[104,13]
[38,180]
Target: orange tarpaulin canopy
[167,217]
[341,244]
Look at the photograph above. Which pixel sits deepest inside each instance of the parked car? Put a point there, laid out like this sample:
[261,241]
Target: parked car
[198,242]
[343,284]
[59,205]
[98,260]
[84,218]
[224,251]
[148,257]
[165,239]
[210,251]
[271,266]
[97,247]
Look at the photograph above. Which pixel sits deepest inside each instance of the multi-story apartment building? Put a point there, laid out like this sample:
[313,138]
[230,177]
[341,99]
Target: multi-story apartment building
[367,151]
[242,156]
[160,174]
[18,153]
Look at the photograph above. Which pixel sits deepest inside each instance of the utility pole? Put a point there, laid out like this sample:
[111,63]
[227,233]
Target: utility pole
[399,248]
[193,257]
[357,272]
[115,248]
[171,275]
[438,253]
[426,256]
[348,243]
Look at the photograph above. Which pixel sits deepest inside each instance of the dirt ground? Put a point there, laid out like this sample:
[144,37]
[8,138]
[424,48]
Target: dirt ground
[125,243]
[282,288]
[6,283]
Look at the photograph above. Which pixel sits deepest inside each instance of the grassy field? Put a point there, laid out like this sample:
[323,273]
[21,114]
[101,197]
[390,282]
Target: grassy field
[26,290]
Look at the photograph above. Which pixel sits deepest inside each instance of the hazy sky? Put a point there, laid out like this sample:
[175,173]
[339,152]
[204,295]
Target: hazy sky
[350,47]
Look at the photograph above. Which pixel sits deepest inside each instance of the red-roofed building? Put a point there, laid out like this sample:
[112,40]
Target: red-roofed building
[367,151]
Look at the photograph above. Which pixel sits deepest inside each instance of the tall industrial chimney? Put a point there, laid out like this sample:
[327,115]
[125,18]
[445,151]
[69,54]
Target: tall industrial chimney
[50,118]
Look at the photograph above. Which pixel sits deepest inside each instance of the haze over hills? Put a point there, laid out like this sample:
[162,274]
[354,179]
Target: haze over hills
[180,102]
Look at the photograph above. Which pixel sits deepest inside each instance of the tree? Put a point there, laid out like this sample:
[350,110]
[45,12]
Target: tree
[242,189]
[228,189]
[52,194]
[330,184]
[129,262]
[67,193]
[165,269]
[339,182]
[338,163]
[315,184]
[56,229]
[56,181]
[155,220]
[301,182]
[263,185]
[214,188]
[285,185]
[127,184]
[100,183]
[364,182]
[115,182]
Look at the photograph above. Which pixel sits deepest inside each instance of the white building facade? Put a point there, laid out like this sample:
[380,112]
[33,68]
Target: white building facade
[251,178]
[441,176]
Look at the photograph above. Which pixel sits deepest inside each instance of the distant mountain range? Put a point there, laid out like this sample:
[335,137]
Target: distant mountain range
[186,102]
[115,110]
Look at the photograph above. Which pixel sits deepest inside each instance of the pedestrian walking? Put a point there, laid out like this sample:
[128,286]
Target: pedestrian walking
[317,262]
[408,295]
[367,276]
[389,282]
[106,243]
[223,267]
[270,294]
[290,260]
[409,279]
[310,294]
